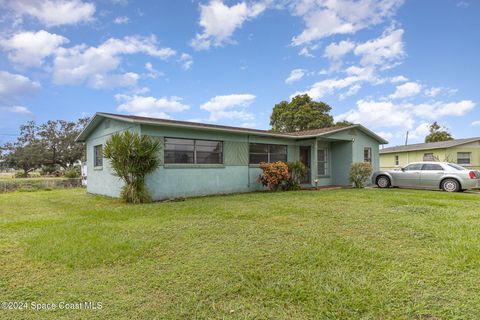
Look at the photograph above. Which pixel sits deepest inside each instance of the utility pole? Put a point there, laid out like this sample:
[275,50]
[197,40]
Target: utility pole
[406,139]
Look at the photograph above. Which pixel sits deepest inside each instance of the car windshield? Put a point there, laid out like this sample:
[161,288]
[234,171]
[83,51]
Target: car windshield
[456,166]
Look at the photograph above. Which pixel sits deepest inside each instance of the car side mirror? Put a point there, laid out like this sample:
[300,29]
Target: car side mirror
[403,169]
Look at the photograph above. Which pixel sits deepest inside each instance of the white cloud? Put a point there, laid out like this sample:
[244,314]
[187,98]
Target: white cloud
[31,48]
[106,81]
[82,63]
[219,22]
[406,90]
[435,91]
[441,109]
[335,51]
[17,109]
[326,18]
[150,106]
[378,114]
[295,75]
[420,131]
[230,106]
[384,51]
[54,12]
[15,85]
[476,123]
[152,72]
[351,91]
[186,60]
[306,51]
[121,20]
[398,79]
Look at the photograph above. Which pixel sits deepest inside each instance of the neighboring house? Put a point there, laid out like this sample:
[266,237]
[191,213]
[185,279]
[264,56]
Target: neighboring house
[465,152]
[200,159]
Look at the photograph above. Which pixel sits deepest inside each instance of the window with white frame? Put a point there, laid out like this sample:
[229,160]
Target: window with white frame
[367,154]
[322,161]
[428,157]
[98,156]
[260,152]
[463,158]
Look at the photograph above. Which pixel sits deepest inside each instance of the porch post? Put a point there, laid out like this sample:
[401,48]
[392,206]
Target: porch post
[314,162]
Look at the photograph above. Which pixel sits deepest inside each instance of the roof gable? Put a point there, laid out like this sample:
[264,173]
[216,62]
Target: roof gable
[428,146]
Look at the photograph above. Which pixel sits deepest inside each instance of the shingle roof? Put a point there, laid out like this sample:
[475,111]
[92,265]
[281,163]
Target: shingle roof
[158,121]
[431,145]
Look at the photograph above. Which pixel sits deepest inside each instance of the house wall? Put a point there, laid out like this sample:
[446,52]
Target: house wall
[100,179]
[387,160]
[235,174]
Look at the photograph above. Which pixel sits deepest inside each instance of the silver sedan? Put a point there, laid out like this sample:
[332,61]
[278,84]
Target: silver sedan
[429,175]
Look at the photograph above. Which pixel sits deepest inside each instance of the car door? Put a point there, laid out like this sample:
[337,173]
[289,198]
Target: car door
[431,175]
[409,176]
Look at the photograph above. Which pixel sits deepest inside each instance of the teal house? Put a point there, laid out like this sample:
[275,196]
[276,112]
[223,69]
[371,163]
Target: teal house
[200,159]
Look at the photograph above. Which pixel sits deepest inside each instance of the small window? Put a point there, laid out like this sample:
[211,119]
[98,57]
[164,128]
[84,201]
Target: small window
[98,156]
[413,167]
[428,157]
[367,154]
[432,167]
[260,152]
[322,165]
[463,157]
[189,151]
[397,160]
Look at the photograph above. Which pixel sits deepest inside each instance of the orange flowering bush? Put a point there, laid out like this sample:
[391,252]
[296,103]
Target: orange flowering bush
[275,175]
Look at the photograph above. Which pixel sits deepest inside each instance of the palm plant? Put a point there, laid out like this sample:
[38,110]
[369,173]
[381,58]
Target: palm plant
[133,157]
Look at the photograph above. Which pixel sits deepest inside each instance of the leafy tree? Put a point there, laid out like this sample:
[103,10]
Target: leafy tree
[27,157]
[302,113]
[59,139]
[343,123]
[438,133]
[133,157]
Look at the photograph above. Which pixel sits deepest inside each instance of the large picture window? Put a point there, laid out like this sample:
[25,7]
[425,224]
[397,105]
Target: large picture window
[98,156]
[192,151]
[322,162]
[260,152]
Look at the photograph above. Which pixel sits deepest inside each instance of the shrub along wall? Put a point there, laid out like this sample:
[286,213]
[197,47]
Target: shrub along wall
[38,184]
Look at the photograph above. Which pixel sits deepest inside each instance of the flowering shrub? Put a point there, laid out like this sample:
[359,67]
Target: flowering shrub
[275,175]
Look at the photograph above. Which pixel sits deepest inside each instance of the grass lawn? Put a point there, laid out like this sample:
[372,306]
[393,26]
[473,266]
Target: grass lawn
[381,254]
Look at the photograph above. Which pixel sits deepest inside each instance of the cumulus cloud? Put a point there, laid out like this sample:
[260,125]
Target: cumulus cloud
[150,106]
[384,51]
[441,109]
[31,48]
[121,20]
[84,64]
[15,85]
[230,106]
[335,51]
[435,91]
[186,60]
[54,12]
[476,123]
[378,114]
[17,109]
[295,75]
[219,22]
[406,90]
[326,18]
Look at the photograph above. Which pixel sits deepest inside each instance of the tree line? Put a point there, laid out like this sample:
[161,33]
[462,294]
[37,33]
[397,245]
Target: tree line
[50,146]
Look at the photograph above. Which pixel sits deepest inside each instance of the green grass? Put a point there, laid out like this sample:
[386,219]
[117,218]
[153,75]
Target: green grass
[358,254]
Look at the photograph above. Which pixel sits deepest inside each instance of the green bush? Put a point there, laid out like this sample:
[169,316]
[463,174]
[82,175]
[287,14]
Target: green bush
[359,174]
[21,175]
[73,172]
[297,171]
[132,157]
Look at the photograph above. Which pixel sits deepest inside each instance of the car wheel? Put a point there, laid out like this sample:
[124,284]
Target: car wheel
[383,182]
[450,185]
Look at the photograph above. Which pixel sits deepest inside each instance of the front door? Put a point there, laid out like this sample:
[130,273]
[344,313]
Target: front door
[305,159]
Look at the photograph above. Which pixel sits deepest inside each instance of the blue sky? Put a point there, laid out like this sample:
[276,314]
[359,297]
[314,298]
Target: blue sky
[391,65]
